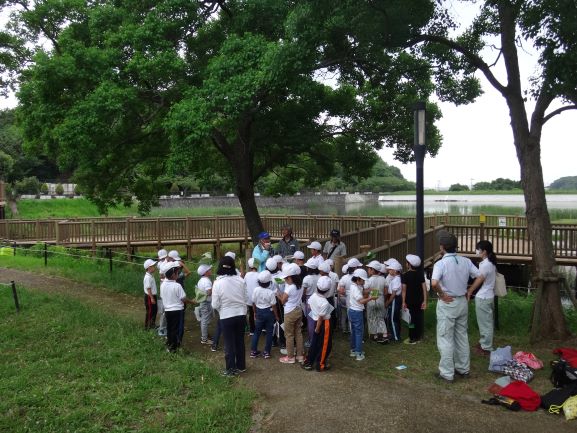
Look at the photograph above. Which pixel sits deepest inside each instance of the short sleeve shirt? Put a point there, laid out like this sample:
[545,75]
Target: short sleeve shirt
[489,272]
[319,307]
[263,297]
[172,295]
[294,297]
[251,281]
[453,273]
[414,281]
[356,295]
[310,284]
[203,286]
[340,249]
[395,287]
[149,282]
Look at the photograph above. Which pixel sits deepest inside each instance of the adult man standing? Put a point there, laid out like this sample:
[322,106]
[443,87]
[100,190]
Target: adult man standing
[335,247]
[450,277]
[288,245]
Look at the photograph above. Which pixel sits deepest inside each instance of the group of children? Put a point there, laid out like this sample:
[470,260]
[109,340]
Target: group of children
[283,298]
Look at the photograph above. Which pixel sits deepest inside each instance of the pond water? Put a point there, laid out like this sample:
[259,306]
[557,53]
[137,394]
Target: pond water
[560,206]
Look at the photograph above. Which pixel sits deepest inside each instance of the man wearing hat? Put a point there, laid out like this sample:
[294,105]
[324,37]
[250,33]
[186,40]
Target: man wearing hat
[449,280]
[150,294]
[335,247]
[262,250]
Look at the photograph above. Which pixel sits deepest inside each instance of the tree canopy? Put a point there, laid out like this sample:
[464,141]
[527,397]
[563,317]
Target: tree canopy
[567,182]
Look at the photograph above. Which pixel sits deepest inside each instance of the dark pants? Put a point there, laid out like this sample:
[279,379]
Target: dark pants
[417,322]
[395,318]
[321,345]
[216,336]
[172,322]
[151,310]
[181,326]
[264,320]
[233,333]
[251,324]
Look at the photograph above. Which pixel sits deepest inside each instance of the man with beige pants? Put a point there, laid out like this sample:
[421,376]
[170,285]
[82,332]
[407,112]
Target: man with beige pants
[450,277]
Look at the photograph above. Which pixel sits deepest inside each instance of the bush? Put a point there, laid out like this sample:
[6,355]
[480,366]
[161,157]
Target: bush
[28,185]
[458,187]
[44,189]
[174,190]
[59,189]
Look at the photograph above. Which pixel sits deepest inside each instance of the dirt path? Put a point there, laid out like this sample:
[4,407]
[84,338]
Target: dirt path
[344,399]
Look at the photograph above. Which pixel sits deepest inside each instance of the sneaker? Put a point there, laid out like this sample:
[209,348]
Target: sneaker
[254,353]
[206,341]
[353,354]
[283,351]
[307,344]
[161,333]
[213,348]
[251,333]
[237,371]
[360,356]
[383,341]
[228,373]
[266,355]
[466,375]
[300,359]
[307,367]
[409,341]
[287,360]
[443,378]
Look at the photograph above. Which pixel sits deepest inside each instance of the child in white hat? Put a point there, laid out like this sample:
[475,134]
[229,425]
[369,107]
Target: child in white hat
[150,294]
[376,309]
[394,300]
[320,313]
[162,256]
[266,314]
[203,296]
[251,281]
[357,301]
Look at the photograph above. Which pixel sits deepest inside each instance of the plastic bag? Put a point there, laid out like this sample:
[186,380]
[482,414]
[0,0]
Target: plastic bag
[569,408]
[406,316]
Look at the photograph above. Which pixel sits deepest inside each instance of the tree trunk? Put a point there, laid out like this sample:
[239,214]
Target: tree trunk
[13,207]
[245,193]
[548,319]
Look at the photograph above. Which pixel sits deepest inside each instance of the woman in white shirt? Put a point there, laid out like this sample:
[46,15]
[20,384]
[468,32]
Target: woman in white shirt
[485,297]
[229,299]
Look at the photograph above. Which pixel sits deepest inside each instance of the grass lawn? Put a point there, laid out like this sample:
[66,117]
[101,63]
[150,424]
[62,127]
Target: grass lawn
[67,367]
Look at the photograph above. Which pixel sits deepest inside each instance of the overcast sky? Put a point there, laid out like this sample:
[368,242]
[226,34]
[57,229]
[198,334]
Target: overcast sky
[477,138]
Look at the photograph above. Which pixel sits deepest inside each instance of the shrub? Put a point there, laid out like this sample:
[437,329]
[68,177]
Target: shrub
[44,189]
[59,189]
[174,190]
[28,185]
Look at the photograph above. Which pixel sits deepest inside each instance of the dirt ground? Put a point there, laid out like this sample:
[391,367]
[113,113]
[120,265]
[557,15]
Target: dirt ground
[343,399]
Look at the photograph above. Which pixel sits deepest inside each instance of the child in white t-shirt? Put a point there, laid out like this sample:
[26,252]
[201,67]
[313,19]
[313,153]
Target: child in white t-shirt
[203,296]
[150,294]
[320,312]
[394,300]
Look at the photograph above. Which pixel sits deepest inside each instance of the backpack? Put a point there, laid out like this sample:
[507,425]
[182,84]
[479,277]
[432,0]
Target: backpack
[562,373]
[500,285]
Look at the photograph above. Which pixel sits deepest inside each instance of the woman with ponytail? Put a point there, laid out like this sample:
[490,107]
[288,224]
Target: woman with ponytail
[484,298]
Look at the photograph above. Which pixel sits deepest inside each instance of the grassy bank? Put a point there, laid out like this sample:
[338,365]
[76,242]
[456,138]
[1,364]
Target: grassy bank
[70,368]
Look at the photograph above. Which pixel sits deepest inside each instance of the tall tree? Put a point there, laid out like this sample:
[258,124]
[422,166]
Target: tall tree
[130,90]
[549,27]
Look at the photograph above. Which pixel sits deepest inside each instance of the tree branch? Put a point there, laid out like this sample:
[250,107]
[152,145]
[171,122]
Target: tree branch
[558,111]
[473,58]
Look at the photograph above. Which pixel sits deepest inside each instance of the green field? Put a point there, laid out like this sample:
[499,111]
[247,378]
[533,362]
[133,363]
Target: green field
[68,367]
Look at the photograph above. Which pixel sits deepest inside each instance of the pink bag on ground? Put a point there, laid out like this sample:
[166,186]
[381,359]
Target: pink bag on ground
[529,360]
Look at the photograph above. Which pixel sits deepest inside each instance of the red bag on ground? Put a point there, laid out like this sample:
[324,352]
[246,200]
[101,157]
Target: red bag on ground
[521,392]
[529,360]
[568,354]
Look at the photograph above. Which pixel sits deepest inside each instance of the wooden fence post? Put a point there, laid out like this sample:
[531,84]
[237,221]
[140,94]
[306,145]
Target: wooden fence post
[15,295]
[128,249]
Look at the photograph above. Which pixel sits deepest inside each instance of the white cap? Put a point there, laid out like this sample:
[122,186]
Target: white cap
[166,266]
[330,262]
[231,255]
[360,273]
[325,267]
[312,264]
[162,254]
[315,246]
[278,258]
[375,265]
[299,255]
[354,263]
[271,264]
[174,255]
[290,270]
[202,269]
[383,268]
[264,277]
[394,264]
[345,268]
[414,261]
[251,263]
[324,283]
[148,263]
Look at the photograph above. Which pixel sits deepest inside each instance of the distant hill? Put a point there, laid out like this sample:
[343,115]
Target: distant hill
[567,182]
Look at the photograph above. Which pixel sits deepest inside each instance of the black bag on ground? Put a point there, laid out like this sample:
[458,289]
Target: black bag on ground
[562,373]
[556,397]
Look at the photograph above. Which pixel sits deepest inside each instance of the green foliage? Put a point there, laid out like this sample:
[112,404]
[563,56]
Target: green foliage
[66,368]
[27,185]
[59,190]
[174,190]
[564,183]
[137,90]
[498,184]
[458,187]
[44,189]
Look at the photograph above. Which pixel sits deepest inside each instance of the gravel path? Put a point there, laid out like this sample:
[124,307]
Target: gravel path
[347,398]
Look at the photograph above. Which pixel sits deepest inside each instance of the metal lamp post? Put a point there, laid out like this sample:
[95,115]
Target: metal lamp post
[420,150]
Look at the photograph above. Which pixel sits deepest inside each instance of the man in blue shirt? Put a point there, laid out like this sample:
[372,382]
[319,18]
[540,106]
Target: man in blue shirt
[262,251]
